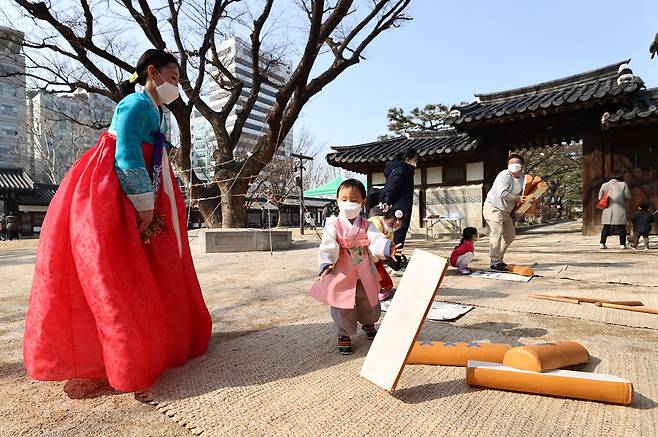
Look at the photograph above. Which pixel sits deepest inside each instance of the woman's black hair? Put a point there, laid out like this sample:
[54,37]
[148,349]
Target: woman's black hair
[645,206]
[468,234]
[410,153]
[156,57]
[353,183]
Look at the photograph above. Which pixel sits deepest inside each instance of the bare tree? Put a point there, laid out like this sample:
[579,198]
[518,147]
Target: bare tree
[561,166]
[87,46]
[53,149]
[278,182]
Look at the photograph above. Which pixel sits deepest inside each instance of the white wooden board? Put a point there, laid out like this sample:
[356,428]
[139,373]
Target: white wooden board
[405,316]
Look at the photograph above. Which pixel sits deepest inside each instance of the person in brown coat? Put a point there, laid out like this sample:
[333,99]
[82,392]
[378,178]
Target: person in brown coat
[614,215]
[12,226]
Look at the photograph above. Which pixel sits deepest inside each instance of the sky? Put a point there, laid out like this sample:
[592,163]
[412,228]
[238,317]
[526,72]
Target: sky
[453,49]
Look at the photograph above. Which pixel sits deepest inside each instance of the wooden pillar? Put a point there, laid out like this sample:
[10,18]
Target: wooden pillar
[422,196]
[597,162]
[495,160]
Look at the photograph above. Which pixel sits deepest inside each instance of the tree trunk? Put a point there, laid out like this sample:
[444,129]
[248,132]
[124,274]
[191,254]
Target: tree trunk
[279,219]
[234,214]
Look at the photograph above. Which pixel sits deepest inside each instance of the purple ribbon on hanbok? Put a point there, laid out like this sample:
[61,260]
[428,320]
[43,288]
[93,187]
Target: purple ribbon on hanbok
[159,139]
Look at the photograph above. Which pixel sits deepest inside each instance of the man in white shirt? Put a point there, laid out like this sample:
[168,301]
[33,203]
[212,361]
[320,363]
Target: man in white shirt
[504,195]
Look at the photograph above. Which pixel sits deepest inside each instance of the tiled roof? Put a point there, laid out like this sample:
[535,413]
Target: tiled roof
[15,179]
[41,195]
[432,145]
[642,107]
[589,88]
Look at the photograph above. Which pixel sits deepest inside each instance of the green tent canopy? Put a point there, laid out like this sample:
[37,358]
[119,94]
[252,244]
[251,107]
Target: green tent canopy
[327,190]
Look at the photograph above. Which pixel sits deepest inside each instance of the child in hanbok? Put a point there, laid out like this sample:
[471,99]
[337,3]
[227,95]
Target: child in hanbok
[386,223]
[115,295]
[464,252]
[349,281]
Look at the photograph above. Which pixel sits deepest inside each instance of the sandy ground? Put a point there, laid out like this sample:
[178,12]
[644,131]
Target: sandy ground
[253,291]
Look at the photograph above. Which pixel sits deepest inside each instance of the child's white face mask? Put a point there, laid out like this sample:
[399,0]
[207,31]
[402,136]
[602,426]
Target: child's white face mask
[350,210]
[387,228]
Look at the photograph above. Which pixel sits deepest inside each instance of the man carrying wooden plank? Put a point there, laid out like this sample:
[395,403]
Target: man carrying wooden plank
[505,194]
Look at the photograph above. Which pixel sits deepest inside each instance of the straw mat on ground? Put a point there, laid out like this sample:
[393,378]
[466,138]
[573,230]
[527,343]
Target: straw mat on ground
[289,380]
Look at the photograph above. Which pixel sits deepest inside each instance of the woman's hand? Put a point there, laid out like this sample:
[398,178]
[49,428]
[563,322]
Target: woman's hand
[144,219]
[397,251]
[326,271]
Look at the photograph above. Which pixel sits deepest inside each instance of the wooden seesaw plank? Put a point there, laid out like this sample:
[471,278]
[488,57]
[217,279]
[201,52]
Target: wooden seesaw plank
[637,309]
[404,319]
[535,194]
[595,300]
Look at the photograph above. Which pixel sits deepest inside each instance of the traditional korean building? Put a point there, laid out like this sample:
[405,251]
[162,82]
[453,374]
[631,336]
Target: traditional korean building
[608,109]
[28,200]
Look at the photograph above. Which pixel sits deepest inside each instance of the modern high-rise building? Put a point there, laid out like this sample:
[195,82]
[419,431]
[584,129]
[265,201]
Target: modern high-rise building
[12,96]
[63,126]
[236,56]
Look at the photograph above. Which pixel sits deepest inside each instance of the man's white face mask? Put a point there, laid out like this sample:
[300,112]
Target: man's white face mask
[515,168]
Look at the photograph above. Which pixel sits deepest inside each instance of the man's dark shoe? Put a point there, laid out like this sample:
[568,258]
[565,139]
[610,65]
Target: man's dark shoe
[499,266]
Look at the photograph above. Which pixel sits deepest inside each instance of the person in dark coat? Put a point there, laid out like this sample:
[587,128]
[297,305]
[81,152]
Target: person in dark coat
[398,192]
[329,210]
[642,221]
[3,227]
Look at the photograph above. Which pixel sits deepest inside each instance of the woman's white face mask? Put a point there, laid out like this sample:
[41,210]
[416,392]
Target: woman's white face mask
[168,92]
[350,210]
[515,168]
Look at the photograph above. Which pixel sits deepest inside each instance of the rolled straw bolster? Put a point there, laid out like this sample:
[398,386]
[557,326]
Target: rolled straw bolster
[563,383]
[456,354]
[546,356]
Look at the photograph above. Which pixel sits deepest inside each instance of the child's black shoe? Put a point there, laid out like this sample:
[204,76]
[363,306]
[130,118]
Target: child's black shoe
[370,331]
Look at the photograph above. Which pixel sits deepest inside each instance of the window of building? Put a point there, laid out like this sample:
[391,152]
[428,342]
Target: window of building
[378,179]
[8,90]
[454,173]
[8,129]
[224,52]
[255,117]
[475,171]
[8,109]
[255,127]
[434,175]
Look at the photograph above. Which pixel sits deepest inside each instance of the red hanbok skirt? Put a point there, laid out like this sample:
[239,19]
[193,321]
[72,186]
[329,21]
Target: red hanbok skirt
[386,281]
[103,304]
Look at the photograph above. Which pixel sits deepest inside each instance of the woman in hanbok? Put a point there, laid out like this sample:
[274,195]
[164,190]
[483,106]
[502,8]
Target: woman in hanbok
[349,281]
[115,295]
